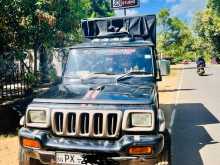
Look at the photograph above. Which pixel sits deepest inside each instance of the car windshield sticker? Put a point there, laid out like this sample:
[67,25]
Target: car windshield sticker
[128,51]
[147,56]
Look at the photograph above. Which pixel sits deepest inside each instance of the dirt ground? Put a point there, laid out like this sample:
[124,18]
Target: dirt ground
[9,150]
[168,88]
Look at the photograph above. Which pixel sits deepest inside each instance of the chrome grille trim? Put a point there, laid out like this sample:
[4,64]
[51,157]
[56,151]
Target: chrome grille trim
[94,121]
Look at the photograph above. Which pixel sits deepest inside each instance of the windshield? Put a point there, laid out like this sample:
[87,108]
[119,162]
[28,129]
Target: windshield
[109,60]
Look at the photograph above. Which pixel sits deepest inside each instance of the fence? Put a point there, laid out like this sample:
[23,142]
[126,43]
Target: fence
[13,83]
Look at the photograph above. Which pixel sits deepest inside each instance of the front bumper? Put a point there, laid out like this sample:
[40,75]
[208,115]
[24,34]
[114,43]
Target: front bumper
[112,150]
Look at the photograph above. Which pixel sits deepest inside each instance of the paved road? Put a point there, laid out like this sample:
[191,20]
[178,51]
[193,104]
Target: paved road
[196,129]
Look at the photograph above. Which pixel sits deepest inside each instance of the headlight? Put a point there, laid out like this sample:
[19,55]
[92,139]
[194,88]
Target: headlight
[138,120]
[141,119]
[38,117]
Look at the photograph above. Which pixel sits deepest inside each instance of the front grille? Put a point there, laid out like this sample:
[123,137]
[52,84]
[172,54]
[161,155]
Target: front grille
[93,123]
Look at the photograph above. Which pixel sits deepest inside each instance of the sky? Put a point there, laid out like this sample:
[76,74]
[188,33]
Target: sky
[184,9]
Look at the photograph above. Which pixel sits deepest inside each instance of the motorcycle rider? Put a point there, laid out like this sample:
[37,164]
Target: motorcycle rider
[201,62]
[200,66]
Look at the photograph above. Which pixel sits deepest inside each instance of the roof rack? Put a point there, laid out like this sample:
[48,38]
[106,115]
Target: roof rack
[135,27]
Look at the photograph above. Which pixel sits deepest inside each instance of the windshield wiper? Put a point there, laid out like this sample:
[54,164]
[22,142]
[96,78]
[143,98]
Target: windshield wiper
[106,73]
[131,74]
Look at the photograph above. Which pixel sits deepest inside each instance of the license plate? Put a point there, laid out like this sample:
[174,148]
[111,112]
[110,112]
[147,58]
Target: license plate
[69,158]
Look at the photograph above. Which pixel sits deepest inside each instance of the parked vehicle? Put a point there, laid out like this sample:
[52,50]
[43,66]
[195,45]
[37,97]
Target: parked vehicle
[185,62]
[106,110]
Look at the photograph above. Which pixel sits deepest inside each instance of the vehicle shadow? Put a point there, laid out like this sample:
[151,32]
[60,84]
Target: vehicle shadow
[210,74]
[175,90]
[188,134]
[10,115]
[185,67]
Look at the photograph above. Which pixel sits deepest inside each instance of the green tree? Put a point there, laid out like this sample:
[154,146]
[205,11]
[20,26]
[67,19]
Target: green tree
[44,24]
[175,38]
[207,27]
[100,8]
[10,30]
[163,18]
[215,5]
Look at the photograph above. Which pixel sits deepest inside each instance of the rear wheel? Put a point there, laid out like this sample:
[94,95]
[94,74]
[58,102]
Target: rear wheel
[165,156]
[24,160]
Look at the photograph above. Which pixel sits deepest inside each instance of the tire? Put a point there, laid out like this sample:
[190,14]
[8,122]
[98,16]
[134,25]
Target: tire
[164,157]
[201,71]
[24,160]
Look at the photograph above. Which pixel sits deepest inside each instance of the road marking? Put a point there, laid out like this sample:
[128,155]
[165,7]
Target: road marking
[173,115]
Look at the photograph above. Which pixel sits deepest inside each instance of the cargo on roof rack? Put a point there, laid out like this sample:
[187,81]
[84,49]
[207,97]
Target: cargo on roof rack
[136,27]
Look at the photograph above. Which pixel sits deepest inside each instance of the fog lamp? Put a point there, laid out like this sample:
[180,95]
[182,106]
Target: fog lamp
[29,143]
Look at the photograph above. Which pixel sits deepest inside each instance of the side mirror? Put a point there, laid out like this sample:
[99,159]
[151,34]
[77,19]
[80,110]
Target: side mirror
[58,81]
[22,121]
[162,122]
[159,76]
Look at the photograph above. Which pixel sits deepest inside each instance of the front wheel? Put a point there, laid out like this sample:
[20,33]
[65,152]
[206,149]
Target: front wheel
[201,71]
[164,157]
[25,160]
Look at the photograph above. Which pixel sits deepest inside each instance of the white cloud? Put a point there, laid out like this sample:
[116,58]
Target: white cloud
[129,12]
[187,8]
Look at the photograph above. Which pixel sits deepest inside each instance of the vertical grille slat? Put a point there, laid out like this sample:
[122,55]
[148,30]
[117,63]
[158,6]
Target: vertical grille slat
[105,125]
[72,128]
[92,123]
[98,123]
[84,118]
[59,122]
[71,121]
[112,124]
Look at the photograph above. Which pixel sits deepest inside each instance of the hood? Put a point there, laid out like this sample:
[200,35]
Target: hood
[101,92]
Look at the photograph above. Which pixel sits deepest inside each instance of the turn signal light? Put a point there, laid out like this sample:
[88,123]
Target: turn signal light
[140,150]
[30,143]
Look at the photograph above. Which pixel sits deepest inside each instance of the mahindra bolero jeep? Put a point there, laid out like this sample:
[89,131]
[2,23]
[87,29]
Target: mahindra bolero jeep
[106,109]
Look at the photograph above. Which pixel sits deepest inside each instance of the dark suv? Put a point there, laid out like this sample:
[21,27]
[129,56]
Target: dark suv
[106,110]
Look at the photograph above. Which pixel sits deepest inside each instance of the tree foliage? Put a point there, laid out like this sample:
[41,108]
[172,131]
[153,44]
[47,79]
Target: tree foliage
[175,38]
[44,24]
[29,23]
[207,26]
